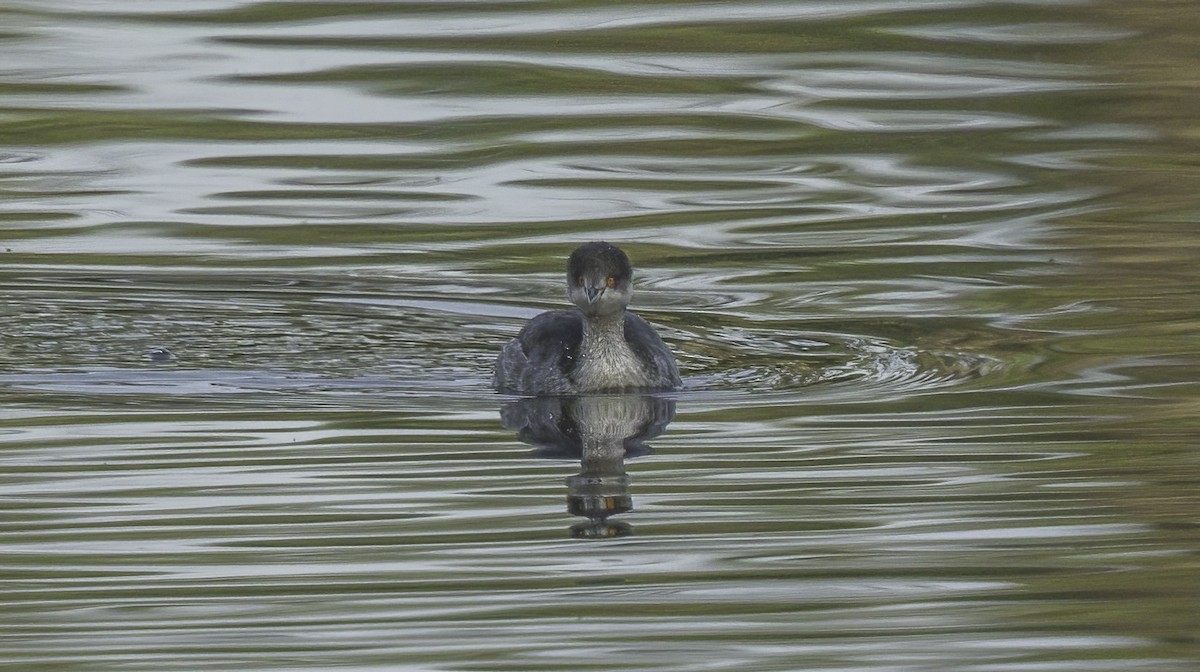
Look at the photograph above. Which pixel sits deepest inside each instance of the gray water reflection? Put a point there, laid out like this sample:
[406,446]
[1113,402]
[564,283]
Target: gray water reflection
[600,432]
[929,269]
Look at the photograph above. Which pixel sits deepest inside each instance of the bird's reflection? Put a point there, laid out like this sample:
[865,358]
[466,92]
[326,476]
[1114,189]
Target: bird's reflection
[600,431]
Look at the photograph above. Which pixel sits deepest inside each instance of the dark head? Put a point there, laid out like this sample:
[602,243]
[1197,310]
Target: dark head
[599,279]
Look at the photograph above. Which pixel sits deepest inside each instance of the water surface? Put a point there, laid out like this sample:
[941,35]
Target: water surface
[929,270]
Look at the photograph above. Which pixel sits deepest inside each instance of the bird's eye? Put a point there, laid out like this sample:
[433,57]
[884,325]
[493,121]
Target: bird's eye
[579,280]
[611,282]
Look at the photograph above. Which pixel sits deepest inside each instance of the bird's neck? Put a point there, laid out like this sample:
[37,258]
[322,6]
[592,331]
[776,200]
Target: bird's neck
[598,329]
[606,362]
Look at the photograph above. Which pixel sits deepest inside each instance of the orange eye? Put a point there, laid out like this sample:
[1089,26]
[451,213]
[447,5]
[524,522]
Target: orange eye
[579,280]
[611,282]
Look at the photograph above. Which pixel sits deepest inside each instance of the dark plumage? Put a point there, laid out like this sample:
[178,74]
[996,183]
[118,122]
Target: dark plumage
[599,347]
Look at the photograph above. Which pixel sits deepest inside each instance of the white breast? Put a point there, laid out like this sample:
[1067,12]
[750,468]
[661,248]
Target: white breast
[608,364]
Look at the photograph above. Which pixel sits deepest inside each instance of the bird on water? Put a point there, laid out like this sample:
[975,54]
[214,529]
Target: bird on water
[597,347]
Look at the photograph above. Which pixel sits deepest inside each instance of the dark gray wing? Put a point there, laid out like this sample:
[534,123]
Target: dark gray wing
[649,347]
[539,360]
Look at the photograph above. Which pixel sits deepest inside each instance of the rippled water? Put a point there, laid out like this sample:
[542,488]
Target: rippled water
[930,270]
